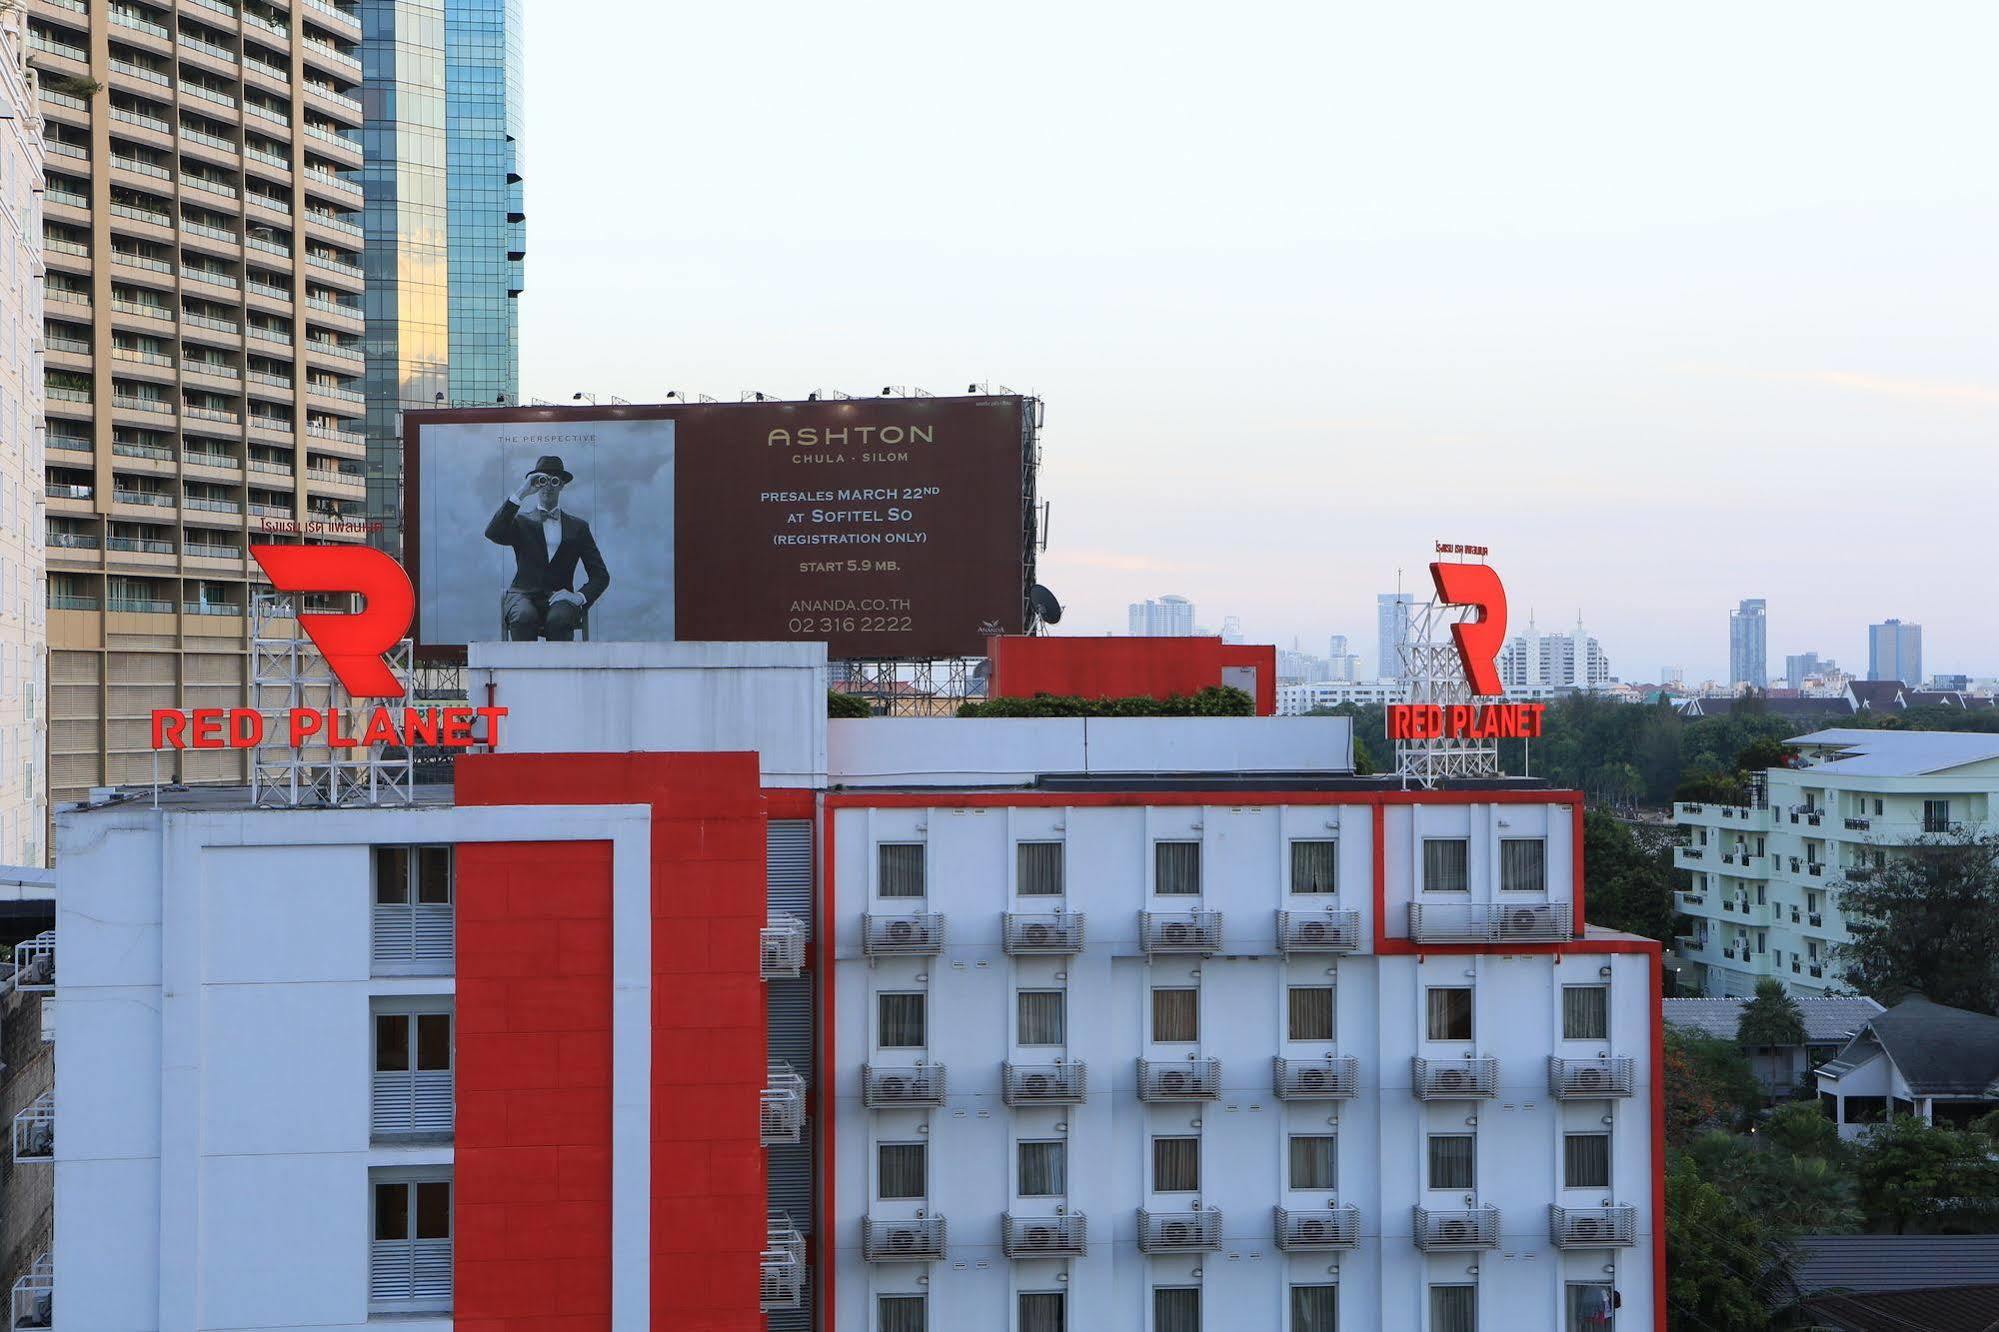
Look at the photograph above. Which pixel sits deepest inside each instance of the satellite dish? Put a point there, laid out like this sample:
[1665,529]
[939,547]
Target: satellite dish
[1046,608]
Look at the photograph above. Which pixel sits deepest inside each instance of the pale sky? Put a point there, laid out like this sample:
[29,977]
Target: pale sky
[1667,306]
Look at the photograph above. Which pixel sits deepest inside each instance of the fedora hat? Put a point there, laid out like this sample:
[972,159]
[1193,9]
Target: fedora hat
[552,464]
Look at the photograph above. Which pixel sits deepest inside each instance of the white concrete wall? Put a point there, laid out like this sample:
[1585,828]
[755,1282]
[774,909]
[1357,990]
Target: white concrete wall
[1379,1016]
[994,751]
[572,698]
[213,1073]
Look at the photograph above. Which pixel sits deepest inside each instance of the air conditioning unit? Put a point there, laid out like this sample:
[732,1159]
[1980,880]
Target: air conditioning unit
[1315,932]
[902,1240]
[1177,933]
[1173,1080]
[1589,1229]
[1314,1232]
[1036,1084]
[1525,921]
[1454,1080]
[1043,1237]
[1457,1232]
[1176,1233]
[892,1089]
[1315,1079]
[1039,935]
[906,932]
[1591,1078]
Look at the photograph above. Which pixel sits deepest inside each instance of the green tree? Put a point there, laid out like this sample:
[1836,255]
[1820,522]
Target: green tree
[1793,1194]
[1709,1084]
[1726,1267]
[1912,1174]
[1802,1129]
[1772,1018]
[1927,922]
[1629,886]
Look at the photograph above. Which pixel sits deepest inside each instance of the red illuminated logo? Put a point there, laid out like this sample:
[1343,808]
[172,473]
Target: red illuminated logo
[353,645]
[1479,640]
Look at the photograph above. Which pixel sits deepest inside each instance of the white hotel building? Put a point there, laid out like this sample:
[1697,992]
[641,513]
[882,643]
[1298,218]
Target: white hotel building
[693,1010]
[1763,892]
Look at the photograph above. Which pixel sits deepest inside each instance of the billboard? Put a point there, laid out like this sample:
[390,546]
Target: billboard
[892,527]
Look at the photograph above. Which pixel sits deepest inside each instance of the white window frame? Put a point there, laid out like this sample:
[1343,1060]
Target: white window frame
[379,1253]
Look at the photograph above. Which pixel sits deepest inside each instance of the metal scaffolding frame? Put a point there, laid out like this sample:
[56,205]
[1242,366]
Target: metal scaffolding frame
[1436,676]
[287,672]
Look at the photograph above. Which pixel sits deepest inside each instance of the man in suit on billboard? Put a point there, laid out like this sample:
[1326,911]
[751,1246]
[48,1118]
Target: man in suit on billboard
[548,543]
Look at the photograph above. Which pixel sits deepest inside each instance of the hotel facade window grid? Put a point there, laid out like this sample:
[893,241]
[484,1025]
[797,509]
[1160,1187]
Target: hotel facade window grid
[1311,1012]
[1176,1015]
[1315,867]
[901,869]
[1585,1012]
[903,1020]
[1523,865]
[901,1313]
[1176,869]
[1445,865]
[1448,1013]
[1038,869]
[1315,1308]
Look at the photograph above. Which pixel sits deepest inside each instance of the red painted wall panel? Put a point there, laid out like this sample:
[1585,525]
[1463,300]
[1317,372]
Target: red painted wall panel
[709,1053]
[1125,667]
[533,1137]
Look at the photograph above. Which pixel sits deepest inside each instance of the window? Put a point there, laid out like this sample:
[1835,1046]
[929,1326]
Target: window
[411,1090]
[1176,1309]
[900,1313]
[902,1024]
[1451,1161]
[1041,1311]
[1176,869]
[901,866]
[1044,1169]
[409,1262]
[1454,1309]
[1448,1013]
[1038,867]
[1877,806]
[1311,1012]
[1586,1160]
[900,1171]
[1585,1012]
[1592,1307]
[1936,816]
[1315,867]
[412,926]
[1444,865]
[1315,1309]
[1041,1017]
[1523,865]
[1176,1165]
[1314,1161]
[1176,1014]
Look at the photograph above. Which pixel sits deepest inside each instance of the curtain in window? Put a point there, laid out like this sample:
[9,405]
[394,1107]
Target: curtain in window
[899,1313]
[1176,1309]
[901,1170]
[1585,1012]
[901,1021]
[1315,867]
[1176,1015]
[901,870]
[1523,865]
[1177,868]
[1176,1165]
[1039,866]
[1041,1017]
[1315,1309]
[1313,1161]
[1451,1161]
[1041,1311]
[1591,1308]
[1444,861]
[1586,1161]
[1311,1013]
[1453,1309]
[1044,1169]
[1449,1013]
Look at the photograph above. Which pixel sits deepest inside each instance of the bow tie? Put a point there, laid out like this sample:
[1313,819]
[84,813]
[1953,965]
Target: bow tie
[543,515]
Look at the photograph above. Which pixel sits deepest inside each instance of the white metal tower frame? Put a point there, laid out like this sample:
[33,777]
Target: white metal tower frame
[1436,676]
[287,672]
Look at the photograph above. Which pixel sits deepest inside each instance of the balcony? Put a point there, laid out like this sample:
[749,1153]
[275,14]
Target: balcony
[34,1296]
[781,947]
[1490,922]
[35,1130]
[1470,1078]
[918,935]
[1179,1232]
[902,1088]
[1180,932]
[1182,1080]
[1462,1230]
[782,1106]
[1589,1079]
[35,964]
[1317,932]
[1317,1231]
[1334,1078]
[1685,853]
[1042,934]
[914,1240]
[1859,825]
[1592,1227]
[782,1265]
[1044,1084]
[1065,1236]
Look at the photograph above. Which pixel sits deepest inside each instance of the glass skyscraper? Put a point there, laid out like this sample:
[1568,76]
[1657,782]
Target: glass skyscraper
[444,220]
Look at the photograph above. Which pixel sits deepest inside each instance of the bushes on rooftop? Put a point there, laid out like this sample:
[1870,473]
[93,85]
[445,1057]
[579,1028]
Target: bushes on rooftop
[1214,701]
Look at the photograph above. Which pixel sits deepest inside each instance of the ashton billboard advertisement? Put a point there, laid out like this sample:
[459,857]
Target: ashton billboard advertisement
[883,527]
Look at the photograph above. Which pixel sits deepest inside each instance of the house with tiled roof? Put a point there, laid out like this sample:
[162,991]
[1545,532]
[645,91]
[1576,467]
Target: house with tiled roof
[1937,1063]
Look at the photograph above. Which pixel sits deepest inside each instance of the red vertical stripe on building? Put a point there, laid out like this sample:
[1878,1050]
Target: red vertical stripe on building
[708,1042]
[533,1140]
